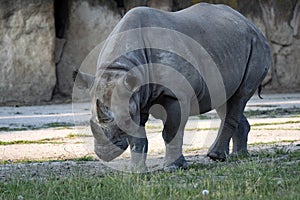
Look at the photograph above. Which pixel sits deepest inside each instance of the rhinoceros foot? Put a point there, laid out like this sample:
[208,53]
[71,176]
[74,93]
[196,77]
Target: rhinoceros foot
[180,163]
[138,168]
[217,156]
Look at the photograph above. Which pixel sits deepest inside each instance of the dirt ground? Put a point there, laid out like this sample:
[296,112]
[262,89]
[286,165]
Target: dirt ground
[61,132]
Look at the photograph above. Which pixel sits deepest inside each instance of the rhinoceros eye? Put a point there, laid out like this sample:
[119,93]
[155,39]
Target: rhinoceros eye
[131,82]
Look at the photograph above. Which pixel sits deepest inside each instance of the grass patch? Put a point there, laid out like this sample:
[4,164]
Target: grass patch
[187,150]
[57,140]
[276,129]
[84,158]
[29,127]
[149,126]
[276,123]
[272,113]
[247,178]
[200,129]
[262,106]
[13,129]
[58,124]
[272,142]
[208,116]
[79,159]
[269,113]
[72,135]
[42,141]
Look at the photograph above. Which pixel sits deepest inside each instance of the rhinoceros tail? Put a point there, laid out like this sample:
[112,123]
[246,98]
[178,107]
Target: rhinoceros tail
[259,91]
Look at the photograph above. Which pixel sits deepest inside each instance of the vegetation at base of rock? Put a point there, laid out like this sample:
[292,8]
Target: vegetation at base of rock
[13,129]
[263,176]
[30,127]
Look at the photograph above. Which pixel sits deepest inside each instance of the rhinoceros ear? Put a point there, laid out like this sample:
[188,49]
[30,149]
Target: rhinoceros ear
[131,82]
[83,80]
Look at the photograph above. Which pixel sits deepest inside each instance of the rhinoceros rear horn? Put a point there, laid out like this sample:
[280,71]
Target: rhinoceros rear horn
[103,112]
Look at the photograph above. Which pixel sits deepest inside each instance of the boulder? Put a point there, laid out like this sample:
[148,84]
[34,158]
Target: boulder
[27,39]
[89,23]
[161,4]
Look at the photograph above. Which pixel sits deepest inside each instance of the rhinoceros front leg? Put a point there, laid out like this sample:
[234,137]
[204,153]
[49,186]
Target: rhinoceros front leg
[231,116]
[177,116]
[138,151]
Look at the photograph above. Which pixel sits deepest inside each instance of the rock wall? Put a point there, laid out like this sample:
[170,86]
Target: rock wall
[280,22]
[166,5]
[88,23]
[42,42]
[27,36]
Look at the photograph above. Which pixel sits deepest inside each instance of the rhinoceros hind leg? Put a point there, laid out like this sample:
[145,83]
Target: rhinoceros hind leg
[240,138]
[231,115]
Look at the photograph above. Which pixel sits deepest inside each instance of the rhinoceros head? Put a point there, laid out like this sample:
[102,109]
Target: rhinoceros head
[109,140]
[115,112]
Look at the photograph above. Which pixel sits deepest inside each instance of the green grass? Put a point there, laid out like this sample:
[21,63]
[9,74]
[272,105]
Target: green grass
[74,135]
[276,123]
[269,113]
[57,124]
[84,158]
[273,113]
[30,127]
[200,129]
[13,129]
[258,177]
[150,126]
[57,140]
[42,141]
[272,142]
[78,159]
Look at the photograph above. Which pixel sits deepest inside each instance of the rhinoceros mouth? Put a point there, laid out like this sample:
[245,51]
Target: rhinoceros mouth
[109,141]
[109,152]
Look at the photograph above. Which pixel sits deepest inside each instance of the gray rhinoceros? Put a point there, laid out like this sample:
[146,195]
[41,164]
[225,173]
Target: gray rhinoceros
[174,65]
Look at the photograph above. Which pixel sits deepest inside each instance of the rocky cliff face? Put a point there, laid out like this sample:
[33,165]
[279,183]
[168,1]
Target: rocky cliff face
[42,42]
[88,24]
[27,69]
[280,22]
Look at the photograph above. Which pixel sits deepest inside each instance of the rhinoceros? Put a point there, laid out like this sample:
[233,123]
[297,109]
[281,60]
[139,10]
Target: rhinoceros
[173,65]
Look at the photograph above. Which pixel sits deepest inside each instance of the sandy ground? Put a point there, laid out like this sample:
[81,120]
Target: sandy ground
[68,142]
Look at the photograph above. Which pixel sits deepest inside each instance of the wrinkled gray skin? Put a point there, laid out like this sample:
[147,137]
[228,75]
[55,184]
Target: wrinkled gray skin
[241,54]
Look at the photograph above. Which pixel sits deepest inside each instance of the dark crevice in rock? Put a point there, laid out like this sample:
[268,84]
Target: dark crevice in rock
[121,7]
[61,16]
[282,45]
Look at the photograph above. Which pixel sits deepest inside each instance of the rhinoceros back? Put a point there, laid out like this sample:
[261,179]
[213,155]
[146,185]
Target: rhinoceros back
[225,35]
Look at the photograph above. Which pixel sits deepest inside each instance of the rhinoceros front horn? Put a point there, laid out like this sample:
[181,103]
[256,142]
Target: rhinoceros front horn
[104,113]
